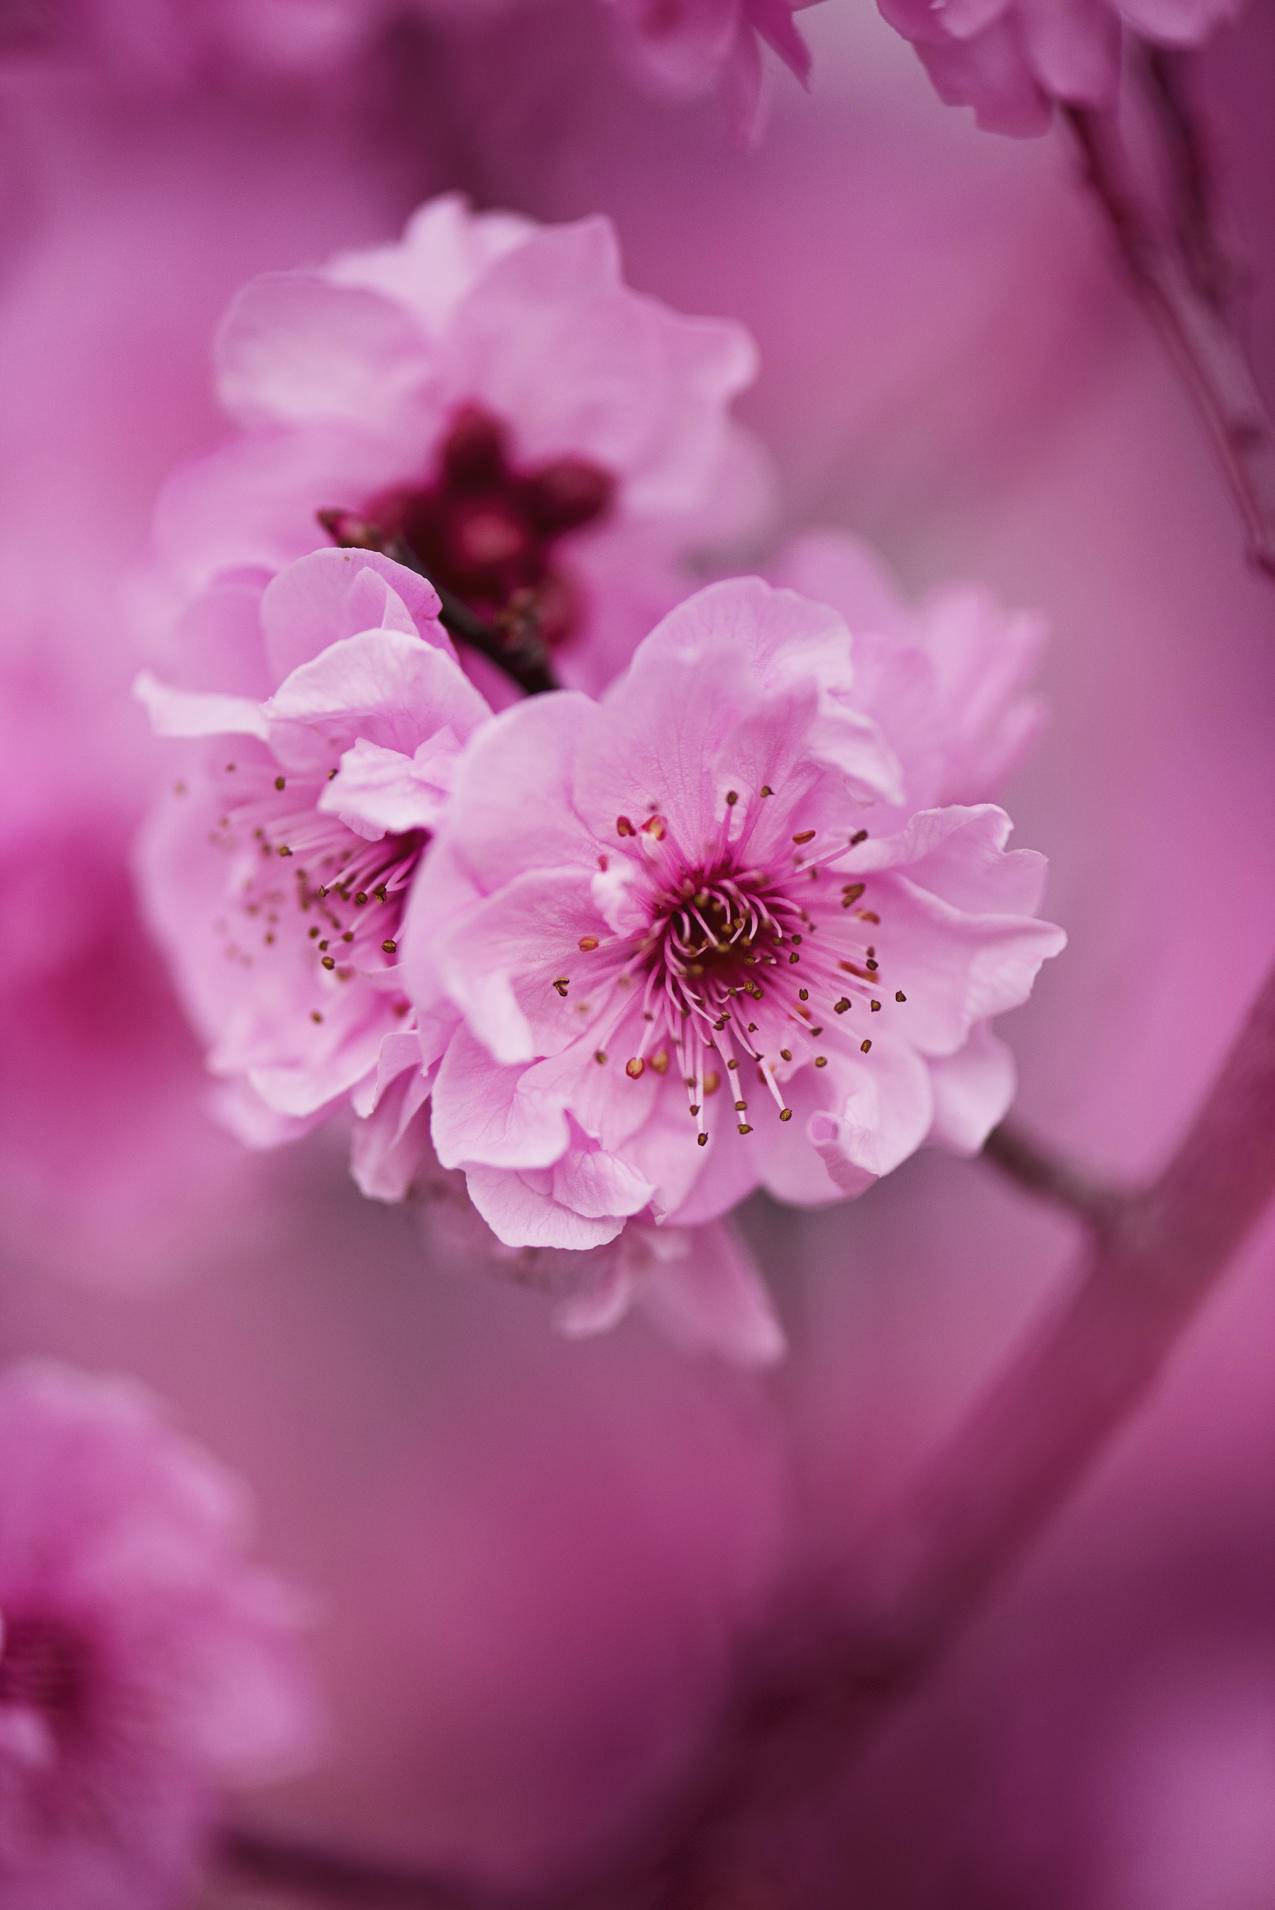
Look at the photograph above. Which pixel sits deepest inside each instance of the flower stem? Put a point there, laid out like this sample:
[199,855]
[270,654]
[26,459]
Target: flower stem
[1187,299]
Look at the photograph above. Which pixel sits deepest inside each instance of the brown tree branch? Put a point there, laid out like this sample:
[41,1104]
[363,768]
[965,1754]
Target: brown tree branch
[1197,328]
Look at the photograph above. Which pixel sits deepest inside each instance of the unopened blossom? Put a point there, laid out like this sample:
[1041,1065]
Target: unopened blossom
[490,400]
[684,965]
[276,871]
[946,678]
[1010,60]
[691,47]
[144,1662]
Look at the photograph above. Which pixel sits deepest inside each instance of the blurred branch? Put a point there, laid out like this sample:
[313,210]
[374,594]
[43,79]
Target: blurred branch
[1189,299]
[939,1557]
[1032,1166]
[521,655]
[1191,173]
[960,1533]
[324,1876]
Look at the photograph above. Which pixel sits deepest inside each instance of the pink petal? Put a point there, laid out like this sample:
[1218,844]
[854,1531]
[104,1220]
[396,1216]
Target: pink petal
[521,1211]
[709,1297]
[382,686]
[338,593]
[973,1090]
[512,808]
[883,1112]
[389,1147]
[444,250]
[499,963]
[197,712]
[597,1184]
[1178,22]
[376,790]
[297,348]
[492,1116]
[1074,50]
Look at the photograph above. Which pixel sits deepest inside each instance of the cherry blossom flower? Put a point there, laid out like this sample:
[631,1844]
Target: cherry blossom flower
[698,1286]
[276,871]
[143,1662]
[946,680]
[690,47]
[1011,59]
[490,397]
[664,922]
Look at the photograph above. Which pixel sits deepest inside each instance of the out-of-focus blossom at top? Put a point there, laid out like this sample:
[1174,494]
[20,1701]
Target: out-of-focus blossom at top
[143,1661]
[665,919]
[489,397]
[688,49]
[947,680]
[1011,59]
[692,47]
[276,870]
[170,41]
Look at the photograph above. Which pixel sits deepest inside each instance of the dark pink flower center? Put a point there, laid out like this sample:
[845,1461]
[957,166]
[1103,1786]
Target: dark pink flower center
[302,873]
[44,1667]
[490,533]
[748,963]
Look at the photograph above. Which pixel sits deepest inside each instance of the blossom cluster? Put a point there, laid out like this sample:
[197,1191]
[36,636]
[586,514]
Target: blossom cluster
[683,49]
[729,911]
[1012,60]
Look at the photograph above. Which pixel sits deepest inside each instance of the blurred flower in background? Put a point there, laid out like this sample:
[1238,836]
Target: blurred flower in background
[141,1661]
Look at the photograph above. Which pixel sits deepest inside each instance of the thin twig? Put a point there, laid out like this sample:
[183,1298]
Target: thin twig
[513,646]
[521,656]
[1033,1166]
[321,1875]
[1199,334]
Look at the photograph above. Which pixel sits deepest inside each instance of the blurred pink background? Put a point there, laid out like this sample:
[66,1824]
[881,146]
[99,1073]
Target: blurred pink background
[536,1561]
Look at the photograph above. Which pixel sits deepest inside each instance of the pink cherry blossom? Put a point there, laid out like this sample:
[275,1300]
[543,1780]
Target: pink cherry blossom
[699,1286]
[275,873]
[489,394]
[946,679]
[143,1662]
[665,926]
[1011,59]
[689,47]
